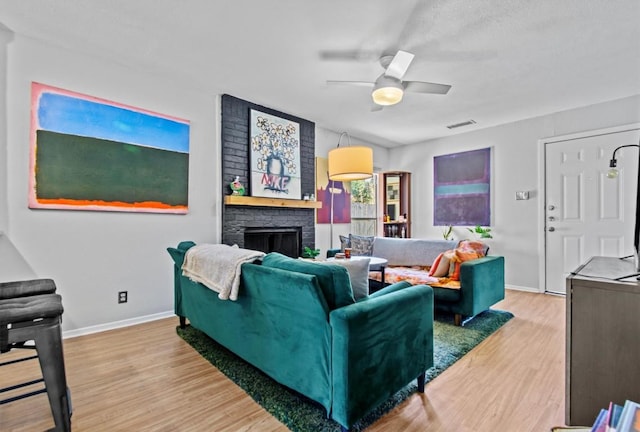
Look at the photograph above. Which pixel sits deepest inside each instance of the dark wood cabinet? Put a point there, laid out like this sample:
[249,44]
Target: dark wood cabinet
[396,204]
[603,338]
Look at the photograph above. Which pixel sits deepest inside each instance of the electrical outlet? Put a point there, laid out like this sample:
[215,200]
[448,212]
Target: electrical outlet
[122,296]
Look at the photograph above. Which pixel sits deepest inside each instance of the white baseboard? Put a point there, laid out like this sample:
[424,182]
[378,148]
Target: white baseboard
[116,324]
[168,314]
[523,288]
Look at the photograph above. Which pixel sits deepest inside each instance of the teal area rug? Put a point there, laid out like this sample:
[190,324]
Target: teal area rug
[301,414]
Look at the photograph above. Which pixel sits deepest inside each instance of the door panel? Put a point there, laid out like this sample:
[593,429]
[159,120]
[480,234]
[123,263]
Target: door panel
[573,250]
[609,246]
[586,213]
[571,197]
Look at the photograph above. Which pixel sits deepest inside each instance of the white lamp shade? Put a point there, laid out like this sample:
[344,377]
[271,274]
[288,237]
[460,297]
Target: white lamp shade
[350,163]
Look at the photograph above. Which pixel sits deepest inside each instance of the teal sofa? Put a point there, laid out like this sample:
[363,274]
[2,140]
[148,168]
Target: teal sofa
[298,322]
[481,280]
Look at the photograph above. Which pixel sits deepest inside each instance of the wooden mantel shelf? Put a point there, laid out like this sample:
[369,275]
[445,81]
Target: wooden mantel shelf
[241,200]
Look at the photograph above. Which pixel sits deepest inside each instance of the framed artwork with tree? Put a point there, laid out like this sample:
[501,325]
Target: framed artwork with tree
[275,157]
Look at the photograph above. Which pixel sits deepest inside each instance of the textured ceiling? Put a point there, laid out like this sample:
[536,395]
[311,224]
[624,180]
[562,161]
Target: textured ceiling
[506,60]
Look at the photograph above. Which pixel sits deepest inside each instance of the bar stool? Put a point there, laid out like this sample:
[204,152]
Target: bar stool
[30,310]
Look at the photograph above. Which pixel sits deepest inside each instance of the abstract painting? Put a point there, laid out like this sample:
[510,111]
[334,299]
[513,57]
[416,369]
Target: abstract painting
[332,194]
[91,154]
[275,157]
[461,188]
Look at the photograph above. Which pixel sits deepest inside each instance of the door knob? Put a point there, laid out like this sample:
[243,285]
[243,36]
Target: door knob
[552,207]
[551,218]
[551,229]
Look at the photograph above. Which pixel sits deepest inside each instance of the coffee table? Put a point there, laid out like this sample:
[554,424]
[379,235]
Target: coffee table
[375,263]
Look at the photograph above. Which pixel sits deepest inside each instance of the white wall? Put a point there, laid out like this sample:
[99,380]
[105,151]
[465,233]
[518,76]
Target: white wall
[5,36]
[93,255]
[13,266]
[515,166]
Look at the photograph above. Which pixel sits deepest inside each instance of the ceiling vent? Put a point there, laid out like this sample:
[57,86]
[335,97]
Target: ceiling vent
[464,123]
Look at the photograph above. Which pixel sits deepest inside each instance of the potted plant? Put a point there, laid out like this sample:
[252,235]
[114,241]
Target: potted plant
[481,232]
[447,232]
[307,252]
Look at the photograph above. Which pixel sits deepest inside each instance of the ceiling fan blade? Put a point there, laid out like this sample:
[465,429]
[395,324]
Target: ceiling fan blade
[358,55]
[426,87]
[354,83]
[399,65]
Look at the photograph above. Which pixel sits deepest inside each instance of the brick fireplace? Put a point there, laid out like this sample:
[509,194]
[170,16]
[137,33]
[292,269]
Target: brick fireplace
[287,241]
[271,222]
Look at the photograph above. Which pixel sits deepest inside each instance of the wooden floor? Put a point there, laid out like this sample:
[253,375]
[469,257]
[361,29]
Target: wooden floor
[145,378]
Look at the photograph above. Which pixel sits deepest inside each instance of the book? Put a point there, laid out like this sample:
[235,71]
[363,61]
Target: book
[570,429]
[607,420]
[629,418]
[600,425]
[614,417]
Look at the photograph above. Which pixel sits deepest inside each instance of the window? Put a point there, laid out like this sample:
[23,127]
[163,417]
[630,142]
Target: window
[363,206]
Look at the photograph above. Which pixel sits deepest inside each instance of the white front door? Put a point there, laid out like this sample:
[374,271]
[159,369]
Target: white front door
[586,213]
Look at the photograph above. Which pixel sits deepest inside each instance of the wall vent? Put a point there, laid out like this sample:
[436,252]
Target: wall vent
[464,123]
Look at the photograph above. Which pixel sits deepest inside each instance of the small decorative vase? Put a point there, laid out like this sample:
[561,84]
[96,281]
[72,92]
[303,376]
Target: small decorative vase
[236,187]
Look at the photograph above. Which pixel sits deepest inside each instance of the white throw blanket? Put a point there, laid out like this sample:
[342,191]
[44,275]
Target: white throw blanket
[217,266]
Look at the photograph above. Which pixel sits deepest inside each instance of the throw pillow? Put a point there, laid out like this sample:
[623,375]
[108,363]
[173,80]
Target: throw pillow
[474,245]
[344,243]
[460,256]
[466,255]
[361,245]
[440,267]
[454,271]
[358,274]
[333,280]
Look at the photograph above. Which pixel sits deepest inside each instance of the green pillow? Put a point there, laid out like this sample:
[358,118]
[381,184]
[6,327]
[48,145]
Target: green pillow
[334,280]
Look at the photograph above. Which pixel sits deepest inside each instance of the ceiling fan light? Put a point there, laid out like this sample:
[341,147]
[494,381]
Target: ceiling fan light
[387,95]
[387,91]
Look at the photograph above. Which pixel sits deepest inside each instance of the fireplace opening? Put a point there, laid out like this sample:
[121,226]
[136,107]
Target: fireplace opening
[286,240]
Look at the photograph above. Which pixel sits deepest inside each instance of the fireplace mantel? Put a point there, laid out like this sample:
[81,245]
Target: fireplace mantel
[241,200]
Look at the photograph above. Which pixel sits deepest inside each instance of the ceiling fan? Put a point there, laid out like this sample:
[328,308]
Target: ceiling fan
[389,88]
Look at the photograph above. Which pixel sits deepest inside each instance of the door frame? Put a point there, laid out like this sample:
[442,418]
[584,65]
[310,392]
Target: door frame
[542,175]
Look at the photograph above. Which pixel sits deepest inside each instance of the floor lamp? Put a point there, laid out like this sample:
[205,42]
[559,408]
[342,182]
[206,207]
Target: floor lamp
[613,173]
[347,164]
[332,184]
